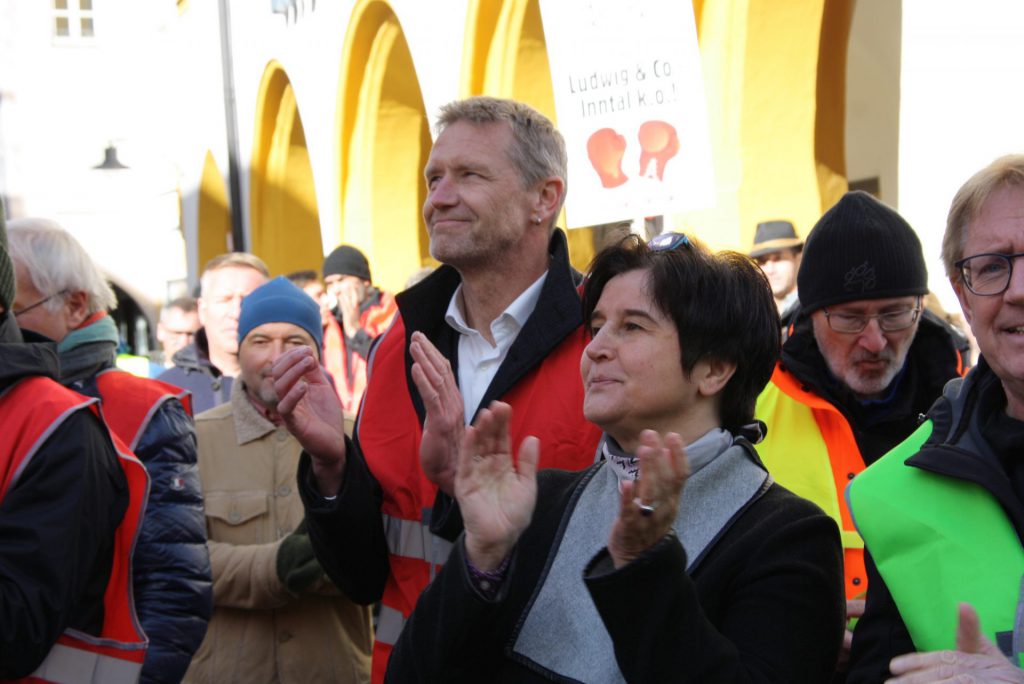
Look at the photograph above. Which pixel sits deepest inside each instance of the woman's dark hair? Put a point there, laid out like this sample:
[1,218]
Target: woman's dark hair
[722,306]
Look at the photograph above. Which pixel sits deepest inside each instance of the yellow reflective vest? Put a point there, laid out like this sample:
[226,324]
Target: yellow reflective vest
[810,450]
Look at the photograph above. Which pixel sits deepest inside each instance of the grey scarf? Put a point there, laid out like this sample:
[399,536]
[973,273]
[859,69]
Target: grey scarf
[562,630]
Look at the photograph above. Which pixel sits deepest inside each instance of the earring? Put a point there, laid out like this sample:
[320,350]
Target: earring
[536,219]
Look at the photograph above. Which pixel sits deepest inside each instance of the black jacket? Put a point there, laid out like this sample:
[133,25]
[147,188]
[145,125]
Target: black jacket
[193,371]
[765,604]
[933,360]
[57,523]
[973,440]
[171,565]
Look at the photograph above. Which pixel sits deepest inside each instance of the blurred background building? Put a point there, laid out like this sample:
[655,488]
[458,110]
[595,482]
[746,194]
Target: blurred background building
[165,132]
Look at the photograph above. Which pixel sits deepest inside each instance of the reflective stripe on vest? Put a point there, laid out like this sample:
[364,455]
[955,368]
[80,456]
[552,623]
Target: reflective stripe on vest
[413,539]
[390,623]
[33,409]
[810,450]
[130,402]
[938,541]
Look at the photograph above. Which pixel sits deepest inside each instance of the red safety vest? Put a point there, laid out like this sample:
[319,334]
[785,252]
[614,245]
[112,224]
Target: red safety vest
[375,320]
[547,402]
[32,410]
[130,402]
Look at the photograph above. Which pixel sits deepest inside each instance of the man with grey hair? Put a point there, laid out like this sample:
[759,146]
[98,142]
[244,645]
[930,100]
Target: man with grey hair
[500,319]
[64,501]
[208,365]
[63,295]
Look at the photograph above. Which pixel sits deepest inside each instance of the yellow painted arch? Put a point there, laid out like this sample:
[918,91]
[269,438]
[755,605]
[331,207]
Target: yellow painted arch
[284,216]
[384,141]
[505,55]
[214,213]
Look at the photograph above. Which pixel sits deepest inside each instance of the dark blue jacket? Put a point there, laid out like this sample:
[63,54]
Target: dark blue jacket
[194,372]
[171,584]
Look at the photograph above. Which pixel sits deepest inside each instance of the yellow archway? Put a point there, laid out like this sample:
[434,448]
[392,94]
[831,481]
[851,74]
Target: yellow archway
[214,213]
[384,141]
[505,55]
[283,211]
[775,77]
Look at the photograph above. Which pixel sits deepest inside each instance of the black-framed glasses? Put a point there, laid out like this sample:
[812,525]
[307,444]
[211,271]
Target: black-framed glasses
[668,241]
[890,321]
[987,274]
[39,303]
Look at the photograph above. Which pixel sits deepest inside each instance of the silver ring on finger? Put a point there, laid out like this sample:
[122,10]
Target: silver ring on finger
[646,510]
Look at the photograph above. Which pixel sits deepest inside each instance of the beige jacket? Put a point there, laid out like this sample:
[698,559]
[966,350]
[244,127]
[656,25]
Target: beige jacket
[259,632]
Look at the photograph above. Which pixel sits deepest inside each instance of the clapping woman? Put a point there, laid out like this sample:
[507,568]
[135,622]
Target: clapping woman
[675,558]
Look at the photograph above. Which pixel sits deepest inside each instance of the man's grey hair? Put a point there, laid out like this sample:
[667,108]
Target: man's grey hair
[231,260]
[537,150]
[57,263]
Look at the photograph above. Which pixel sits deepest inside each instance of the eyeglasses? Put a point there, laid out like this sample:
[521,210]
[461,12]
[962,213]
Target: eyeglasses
[890,321]
[987,274]
[39,303]
[668,241]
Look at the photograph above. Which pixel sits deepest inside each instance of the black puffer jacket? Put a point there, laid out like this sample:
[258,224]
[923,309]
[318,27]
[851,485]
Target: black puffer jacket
[173,595]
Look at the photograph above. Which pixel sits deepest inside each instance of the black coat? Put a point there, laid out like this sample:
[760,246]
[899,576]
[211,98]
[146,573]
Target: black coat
[764,605]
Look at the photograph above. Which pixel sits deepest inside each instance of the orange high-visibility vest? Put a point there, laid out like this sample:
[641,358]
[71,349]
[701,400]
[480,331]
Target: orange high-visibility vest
[350,372]
[810,450]
[32,409]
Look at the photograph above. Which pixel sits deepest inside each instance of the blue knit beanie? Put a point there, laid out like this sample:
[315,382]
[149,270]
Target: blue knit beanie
[280,301]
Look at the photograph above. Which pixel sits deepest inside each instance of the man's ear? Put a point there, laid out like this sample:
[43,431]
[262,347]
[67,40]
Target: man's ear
[76,308]
[550,192]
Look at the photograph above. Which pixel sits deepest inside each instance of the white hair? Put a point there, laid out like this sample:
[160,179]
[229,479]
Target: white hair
[57,263]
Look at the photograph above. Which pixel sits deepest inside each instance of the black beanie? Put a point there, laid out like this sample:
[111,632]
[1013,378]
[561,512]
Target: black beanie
[347,260]
[860,249]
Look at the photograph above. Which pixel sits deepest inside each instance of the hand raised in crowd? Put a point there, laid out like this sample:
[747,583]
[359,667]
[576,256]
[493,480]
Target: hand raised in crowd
[349,299]
[976,660]
[313,414]
[445,421]
[649,505]
[496,496]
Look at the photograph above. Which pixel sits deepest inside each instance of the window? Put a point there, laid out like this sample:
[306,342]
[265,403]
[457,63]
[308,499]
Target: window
[73,20]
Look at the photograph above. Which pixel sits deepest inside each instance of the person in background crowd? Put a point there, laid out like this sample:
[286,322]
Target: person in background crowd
[608,575]
[70,506]
[943,514]
[502,315]
[310,283]
[207,366]
[276,617]
[777,250]
[865,359]
[362,313]
[63,295]
[179,321]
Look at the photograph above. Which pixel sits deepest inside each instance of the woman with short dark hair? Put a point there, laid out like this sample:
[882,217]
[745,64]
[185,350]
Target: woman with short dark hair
[616,573]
